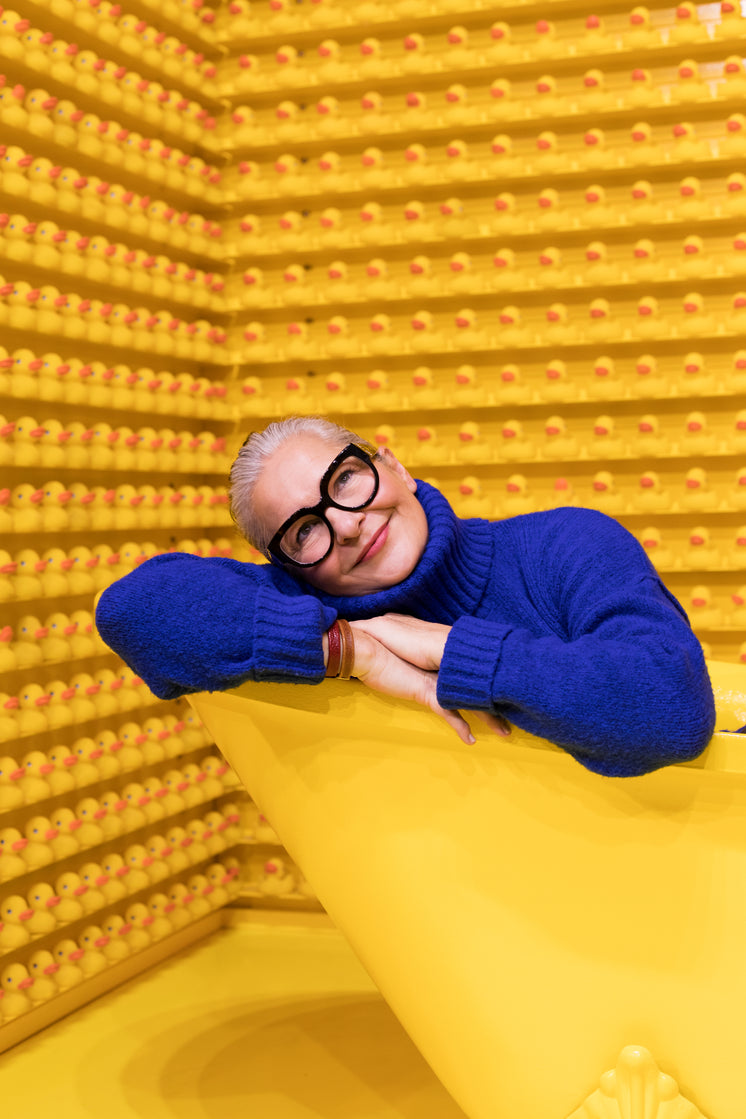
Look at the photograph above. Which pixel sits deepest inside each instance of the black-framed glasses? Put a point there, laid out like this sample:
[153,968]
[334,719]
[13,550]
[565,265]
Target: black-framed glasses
[350,482]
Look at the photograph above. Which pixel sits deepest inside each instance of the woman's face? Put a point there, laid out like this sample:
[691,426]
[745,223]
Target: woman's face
[374,548]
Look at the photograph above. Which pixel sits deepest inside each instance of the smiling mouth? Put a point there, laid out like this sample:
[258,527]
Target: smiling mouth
[374,545]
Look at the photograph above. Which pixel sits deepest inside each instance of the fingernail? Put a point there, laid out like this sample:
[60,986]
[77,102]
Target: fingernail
[504,730]
[471,740]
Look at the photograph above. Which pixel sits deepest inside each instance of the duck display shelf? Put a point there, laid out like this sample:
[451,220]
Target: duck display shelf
[105,81]
[46,377]
[40,987]
[138,860]
[76,318]
[590,996]
[67,191]
[122,507]
[32,710]
[458,50]
[56,573]
[550,212]
[110,146]
[109,27]
[95,259]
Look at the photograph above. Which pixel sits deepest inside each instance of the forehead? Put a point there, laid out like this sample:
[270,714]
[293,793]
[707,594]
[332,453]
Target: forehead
[290,478]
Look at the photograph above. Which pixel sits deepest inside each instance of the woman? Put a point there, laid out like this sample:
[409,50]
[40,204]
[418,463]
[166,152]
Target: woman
[556,620]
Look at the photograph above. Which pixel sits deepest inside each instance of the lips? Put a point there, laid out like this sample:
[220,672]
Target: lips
[374,545]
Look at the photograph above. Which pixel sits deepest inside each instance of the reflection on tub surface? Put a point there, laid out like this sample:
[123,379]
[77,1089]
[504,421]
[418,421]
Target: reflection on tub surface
[524,918]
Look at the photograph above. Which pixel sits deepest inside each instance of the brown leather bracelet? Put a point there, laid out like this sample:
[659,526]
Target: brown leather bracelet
[347,665]
[335,650]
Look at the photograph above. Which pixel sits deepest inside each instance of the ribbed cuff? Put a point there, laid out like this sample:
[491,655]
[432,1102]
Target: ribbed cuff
[470,660]
[287,636]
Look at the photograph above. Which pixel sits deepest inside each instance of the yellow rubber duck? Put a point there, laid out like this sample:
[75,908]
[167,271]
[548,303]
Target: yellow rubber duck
[12,845]
[137,926]
[697,493]
[159,850]
[67,954]
[62,778]
[701,553]
[109,684]
[159,907]
[42,902]
[651,496]
[70,885]
[216,876]
[518,498]
[137,878]
[93,878]
[59,713]
[86,771]
[650,380]
[52,579]
[118,873]
[558,443]
[91,941]
[97,822]
[606,443]
[697,437]
[203,893]
[11,796]
[176,851]
[39,833]
[26,581]
[27,648]
[661,556]
[604,494]
[26,442]
[30,712]
[514,445]
[15,983]
[54,507]
[178,912]
[513,332]
[96,754]
[42,968]
[116,947]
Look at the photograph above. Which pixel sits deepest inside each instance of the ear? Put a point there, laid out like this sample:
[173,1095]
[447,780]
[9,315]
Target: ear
[389,459]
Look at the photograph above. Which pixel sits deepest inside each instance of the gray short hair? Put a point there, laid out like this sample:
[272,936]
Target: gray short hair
[258,448]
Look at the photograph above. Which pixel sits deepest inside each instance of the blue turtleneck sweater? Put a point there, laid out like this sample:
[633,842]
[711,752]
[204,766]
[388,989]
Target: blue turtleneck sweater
[559,622]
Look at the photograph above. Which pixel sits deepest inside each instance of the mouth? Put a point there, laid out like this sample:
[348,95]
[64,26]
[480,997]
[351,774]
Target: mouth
[374,545]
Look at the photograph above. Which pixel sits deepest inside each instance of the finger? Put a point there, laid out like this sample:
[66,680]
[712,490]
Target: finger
[497,723]
[458,722]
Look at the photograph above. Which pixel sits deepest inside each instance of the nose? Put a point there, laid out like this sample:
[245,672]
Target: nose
[345,523]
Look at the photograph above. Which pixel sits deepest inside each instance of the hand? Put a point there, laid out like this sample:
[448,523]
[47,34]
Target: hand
[411,639]
[383,671]
[421,645]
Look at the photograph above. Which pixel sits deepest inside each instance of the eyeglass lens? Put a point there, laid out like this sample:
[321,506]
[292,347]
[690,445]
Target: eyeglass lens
[308,538]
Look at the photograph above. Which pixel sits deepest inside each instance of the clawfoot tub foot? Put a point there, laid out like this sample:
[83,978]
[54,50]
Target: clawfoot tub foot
[636,1089]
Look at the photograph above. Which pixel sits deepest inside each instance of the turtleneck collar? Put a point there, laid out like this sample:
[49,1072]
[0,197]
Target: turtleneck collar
[449,579]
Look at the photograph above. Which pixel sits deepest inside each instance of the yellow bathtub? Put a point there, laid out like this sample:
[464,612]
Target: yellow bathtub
[555,943]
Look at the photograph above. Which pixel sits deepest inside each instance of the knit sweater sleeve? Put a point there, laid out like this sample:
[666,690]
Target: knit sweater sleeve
[622,685]
[190,624]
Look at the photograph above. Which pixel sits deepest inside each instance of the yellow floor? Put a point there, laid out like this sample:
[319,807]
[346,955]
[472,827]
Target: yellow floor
[262,1020]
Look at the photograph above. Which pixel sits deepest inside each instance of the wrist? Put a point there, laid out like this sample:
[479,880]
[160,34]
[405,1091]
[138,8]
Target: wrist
[341,650]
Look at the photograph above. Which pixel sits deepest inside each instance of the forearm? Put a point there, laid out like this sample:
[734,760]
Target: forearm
[620,706]
[187,625]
